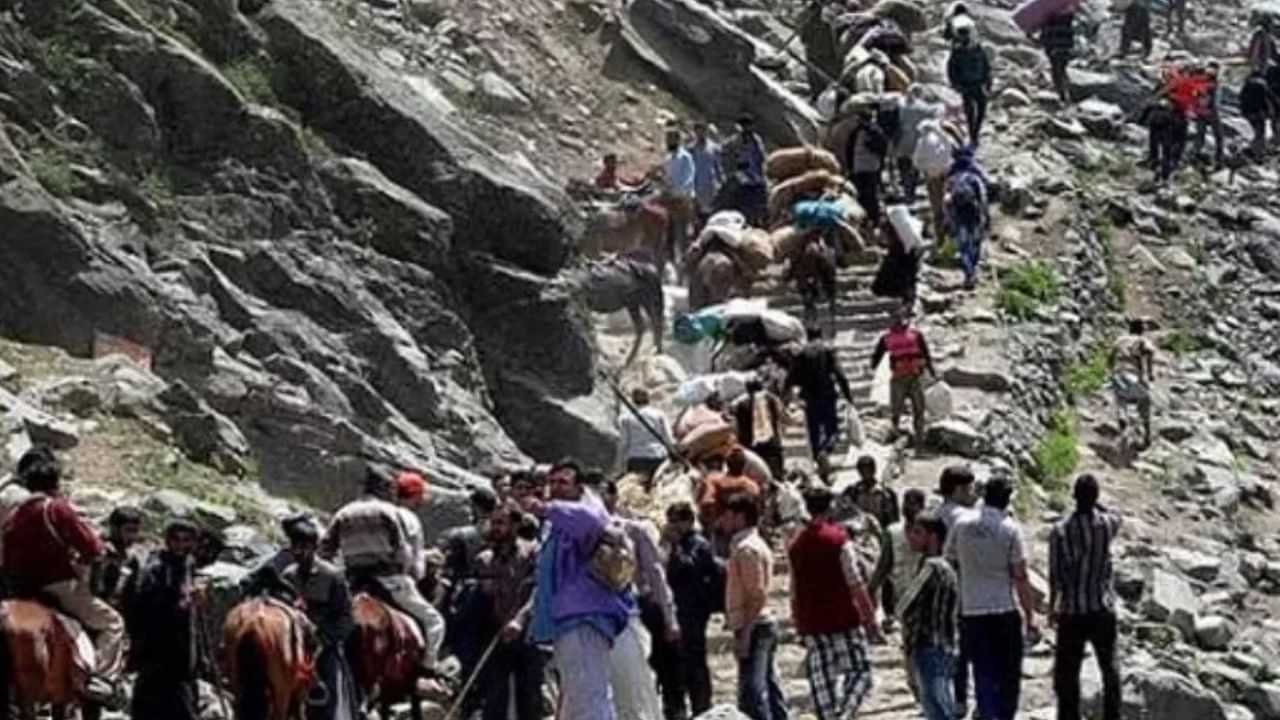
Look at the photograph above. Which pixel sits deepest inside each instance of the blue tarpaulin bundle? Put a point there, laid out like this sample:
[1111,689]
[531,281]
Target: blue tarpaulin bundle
[817,213]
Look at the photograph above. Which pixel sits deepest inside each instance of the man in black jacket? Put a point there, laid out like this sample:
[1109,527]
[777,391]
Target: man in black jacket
[696,579]
[815,370]
[1058,38]
[166,653]
[969,71]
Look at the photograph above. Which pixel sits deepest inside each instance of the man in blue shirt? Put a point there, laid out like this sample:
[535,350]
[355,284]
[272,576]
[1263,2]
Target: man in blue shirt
[708,172]
[746,157]
[681,174]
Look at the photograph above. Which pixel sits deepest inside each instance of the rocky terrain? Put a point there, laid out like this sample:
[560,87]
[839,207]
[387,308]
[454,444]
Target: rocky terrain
[252,246]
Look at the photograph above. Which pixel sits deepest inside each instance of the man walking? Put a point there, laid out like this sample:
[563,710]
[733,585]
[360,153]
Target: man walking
[928,609]
[1209,114]
[816,372]
[645,436]
[898,560]
[166,654]
[46,547]
[755,637]
[955,487]
[657,609]
[987,548]
[1136,27]
[116,574]
[680,190]
[832,610]
[969,71]
[745,158]
[1058,38]
[573,608]
[708,172]
[506,572]
[697,582]
[908,359]
[1082,600]
[1133,371]
[759,416]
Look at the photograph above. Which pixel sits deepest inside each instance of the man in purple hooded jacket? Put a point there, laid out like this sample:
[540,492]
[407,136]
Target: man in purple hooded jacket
[572,610]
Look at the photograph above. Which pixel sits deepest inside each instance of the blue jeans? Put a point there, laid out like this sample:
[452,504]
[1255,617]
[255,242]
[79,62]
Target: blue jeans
[760,694]
[994,645]
[824,424]
[933,669]
[969,244]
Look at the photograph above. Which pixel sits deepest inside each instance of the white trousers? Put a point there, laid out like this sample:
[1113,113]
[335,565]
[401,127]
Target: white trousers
[405,594]
[635,690]
[582,660]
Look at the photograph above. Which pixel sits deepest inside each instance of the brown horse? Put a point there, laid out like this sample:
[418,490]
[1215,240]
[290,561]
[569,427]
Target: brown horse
[813,270]
[269,654]
[38,662]
[715,278]
[624,231]
[386,656]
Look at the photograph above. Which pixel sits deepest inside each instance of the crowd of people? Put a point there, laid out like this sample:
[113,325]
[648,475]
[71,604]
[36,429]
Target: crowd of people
[555,584]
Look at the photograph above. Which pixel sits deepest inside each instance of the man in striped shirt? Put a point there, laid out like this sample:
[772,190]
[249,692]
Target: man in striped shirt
[928,608]
[1082,600]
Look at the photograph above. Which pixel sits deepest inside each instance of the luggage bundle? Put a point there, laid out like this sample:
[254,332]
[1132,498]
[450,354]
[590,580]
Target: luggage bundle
[789,162]
[812,183]
[728,231]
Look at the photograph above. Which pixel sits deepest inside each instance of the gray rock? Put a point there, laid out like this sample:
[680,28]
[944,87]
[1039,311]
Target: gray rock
[1214,632]
[500,96]
[41,427]
[1124,88]
[955,436]
[1170,696]
[1169,598]
[79,396]
[204,434]
[1197,565]
[980,378]
[710,63]
[1263,700]
[169,504]
[723,712]
[7,372]
[1265,255]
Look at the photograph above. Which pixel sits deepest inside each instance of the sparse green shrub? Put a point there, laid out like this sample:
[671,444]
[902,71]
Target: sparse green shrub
[1027,287]
[1088,376]
[1180,342]
[252,79]
[1058,453]
[51,165]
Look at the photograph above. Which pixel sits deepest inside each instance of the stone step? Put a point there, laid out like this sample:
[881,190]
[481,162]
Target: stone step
[861,305]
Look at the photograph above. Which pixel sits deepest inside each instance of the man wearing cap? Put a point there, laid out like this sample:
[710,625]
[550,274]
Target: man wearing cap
[165,655]
[745,156]
[908,359]
[969,71]
[375,544]
[1082,600]
[988,551]
[325,598]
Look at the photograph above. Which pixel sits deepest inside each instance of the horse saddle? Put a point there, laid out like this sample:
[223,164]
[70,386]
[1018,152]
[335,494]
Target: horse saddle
[403,626]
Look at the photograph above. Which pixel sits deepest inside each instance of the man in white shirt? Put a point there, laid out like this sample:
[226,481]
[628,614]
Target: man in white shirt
[987,548]
[645,436]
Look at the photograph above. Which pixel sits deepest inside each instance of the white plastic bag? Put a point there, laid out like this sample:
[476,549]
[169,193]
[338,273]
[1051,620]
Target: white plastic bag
[857,434]
[731,219]
[781,327]
[938,401]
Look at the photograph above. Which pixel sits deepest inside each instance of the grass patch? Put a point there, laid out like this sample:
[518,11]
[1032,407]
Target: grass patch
[948,253]
[1057,454]
[51,165]
[252,79]
[1180,342]
[1086,377]
[1026,288]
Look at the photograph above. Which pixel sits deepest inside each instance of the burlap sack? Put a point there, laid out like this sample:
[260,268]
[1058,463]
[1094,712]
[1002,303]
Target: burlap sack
[786,193]
[788,240]
[789,162]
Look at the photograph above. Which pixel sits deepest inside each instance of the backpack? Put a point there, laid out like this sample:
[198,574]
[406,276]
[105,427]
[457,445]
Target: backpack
[613,561]
[876,140]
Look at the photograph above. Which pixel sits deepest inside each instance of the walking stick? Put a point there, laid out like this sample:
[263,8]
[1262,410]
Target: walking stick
[475,674]
[219,683]
[626,402]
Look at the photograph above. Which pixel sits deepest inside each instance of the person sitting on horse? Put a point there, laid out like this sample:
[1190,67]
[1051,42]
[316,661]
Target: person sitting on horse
[47,551]
[612,180]
[115,574]
[376,551]
[165,609]
[323,594]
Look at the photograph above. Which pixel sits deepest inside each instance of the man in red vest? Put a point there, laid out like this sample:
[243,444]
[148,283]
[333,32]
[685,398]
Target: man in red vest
[908,359]
[832,610]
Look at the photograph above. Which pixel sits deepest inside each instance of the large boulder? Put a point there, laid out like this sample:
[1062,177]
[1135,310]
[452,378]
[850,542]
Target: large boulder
[1125,88]
[711,63]
[342,88]
[1168,695]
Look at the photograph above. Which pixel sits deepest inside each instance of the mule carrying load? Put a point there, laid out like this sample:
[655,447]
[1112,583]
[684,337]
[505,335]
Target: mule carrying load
[726,259]
[745,333]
